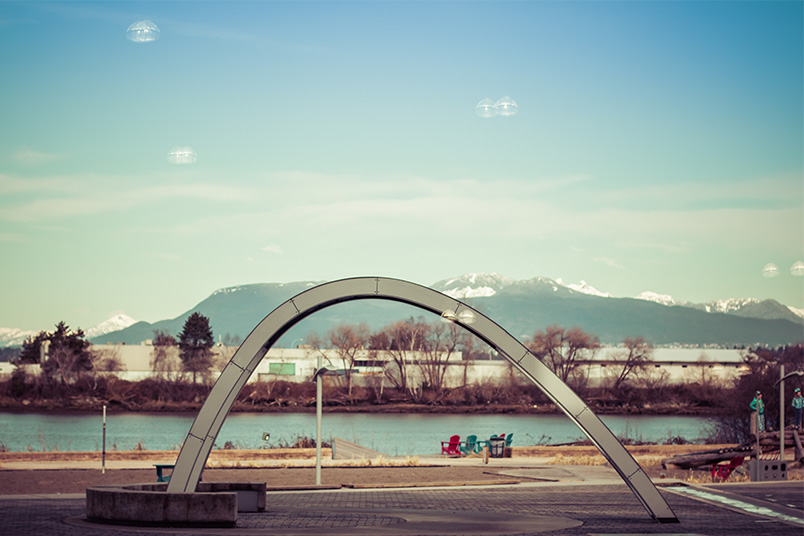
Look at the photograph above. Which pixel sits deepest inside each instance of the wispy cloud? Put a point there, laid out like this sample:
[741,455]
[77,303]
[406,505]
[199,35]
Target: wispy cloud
[10,184]
[609,262]
[209,31]
[273,248]
[32,157]
[63,197]
[171,257]
[11,237]
[760,191]
[678,247]
[397,208]
[502,210]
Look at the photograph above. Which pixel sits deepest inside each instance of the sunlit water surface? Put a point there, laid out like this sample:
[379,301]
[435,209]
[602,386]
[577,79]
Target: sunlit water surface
[391,434]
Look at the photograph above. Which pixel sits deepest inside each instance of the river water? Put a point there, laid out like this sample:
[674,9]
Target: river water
[391,434]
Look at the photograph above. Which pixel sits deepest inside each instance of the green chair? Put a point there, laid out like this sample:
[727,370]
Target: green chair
[470,447]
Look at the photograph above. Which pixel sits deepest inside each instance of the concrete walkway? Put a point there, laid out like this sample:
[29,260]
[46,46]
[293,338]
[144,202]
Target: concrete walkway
[550,499]
[584,501]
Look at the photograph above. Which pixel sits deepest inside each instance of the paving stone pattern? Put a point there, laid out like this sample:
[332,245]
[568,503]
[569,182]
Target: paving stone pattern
[602,509]
[306,520]
[789,494]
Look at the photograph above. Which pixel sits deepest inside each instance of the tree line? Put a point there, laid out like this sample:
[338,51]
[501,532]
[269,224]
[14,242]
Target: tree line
[184,366]
[68,363]
[65,355]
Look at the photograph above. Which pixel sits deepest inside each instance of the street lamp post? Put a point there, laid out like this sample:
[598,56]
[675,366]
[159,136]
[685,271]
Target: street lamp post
[781,413]
[317,378]
[780,382]
[318,397]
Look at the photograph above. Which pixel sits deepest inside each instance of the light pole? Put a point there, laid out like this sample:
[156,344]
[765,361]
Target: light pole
[781,413]
[317,378]
[103,454]
[780,382]
[318,396]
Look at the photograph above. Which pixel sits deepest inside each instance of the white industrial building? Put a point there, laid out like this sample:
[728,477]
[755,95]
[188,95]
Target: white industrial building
[673,365]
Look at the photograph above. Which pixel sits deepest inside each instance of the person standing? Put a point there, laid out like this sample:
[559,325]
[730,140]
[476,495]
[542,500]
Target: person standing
[798,408]
[759,406]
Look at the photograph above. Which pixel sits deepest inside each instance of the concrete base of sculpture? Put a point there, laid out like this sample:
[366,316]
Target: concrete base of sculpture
[215,504]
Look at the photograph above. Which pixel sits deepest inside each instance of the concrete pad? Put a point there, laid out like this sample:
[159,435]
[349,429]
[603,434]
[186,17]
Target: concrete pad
[214,504]
[381,522]
[740,503]
[560,473]
[135,507]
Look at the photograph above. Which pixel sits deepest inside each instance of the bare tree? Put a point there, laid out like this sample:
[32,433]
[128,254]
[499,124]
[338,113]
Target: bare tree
[376,382]
[347,340]
[633,358]
[107,360]
[655,382]
[443,341]
[561,349]
[221,355]
[62,361]
[400,341]
[165,360]
[703,375]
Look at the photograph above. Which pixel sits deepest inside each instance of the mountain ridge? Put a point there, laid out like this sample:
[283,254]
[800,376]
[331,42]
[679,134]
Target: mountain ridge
[520,306]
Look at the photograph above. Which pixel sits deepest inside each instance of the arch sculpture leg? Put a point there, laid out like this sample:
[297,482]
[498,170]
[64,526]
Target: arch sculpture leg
[208,422]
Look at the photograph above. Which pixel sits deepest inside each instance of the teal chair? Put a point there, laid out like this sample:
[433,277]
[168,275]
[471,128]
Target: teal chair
[470,446]
[509,439]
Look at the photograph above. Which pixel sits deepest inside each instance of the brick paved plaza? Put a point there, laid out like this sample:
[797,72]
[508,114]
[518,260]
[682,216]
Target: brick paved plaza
[576,509]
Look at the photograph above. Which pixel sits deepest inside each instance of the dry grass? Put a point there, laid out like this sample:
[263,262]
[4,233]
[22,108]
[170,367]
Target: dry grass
[380,461]
[653,462]
[581,459]
[705,477]
[646,461]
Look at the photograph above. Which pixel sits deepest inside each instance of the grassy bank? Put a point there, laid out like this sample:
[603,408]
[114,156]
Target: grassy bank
[259,457]
[87,405]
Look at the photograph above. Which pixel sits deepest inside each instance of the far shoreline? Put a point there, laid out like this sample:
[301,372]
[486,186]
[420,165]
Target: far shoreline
[74,407]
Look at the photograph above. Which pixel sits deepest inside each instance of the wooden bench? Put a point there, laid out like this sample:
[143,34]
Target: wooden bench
[160,467]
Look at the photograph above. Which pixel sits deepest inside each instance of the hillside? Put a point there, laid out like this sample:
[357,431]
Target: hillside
[521,307]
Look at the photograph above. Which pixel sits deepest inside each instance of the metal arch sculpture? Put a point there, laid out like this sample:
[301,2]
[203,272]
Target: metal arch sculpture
[201,437]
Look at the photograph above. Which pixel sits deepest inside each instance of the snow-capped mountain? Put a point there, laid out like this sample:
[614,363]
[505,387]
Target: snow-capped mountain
[751,308]
[743,307]
[522,306]
[116,323]
[486,285]
[584,288]
[14,337]
[663,299]
[469,286]
[729,306]
[473,285]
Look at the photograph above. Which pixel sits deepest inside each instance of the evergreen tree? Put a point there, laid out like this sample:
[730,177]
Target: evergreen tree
[31,349]
[67,354]
[195,345]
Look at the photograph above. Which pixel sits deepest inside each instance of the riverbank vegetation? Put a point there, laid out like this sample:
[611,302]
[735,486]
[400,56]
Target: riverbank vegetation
[22,393]
[71,377]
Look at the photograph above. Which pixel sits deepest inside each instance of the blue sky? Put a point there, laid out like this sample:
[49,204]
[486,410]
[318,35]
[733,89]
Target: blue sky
[658,146]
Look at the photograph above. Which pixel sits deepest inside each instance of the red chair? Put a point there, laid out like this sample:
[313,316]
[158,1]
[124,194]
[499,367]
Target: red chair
[451,447]
[724,470]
